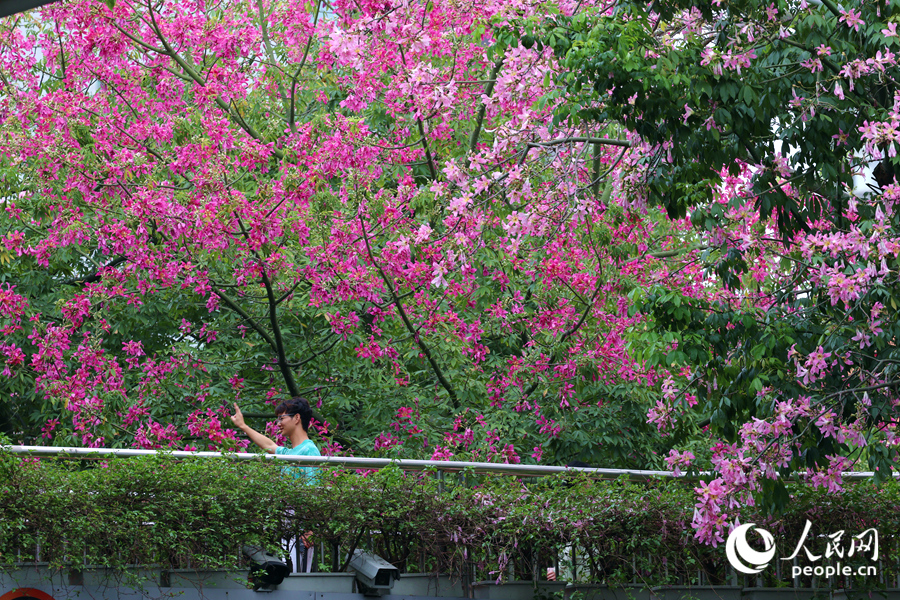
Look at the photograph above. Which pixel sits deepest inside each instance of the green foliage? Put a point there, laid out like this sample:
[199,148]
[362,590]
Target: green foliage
[167,513]
[671,88]
[152,511]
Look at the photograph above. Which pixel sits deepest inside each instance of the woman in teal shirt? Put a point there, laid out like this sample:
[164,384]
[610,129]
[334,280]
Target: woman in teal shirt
[293,417]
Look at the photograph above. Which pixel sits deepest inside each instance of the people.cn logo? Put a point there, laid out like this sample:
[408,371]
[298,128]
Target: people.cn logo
[744,558]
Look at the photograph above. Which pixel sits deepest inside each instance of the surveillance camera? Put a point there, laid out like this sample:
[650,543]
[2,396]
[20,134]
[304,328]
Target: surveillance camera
[374,575]
[265,570]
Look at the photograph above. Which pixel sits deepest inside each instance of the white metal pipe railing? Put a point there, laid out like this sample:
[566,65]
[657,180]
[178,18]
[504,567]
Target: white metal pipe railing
[359,462]
[344,461]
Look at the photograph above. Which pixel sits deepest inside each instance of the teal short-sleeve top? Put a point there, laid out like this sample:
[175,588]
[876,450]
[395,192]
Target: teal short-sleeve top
[310,475]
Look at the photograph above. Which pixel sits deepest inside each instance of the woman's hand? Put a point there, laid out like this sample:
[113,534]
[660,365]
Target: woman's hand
[238,417]
[256,437]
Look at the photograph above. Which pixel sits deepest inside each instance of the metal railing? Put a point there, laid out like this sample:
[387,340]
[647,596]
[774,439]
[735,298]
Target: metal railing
[358,462]
[345,461]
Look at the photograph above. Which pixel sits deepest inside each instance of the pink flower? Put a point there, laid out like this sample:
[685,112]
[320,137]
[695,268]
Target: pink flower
[661,415]
[827,425]
[509,454]
[386,441]
[676,460]
[133,348]
[441,453]
[818,360]
[864,339]
[47,429]
[852,18]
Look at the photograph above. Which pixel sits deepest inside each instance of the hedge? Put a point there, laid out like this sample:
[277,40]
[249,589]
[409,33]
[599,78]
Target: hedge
[172,514]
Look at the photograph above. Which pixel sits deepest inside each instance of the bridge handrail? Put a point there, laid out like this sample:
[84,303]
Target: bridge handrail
[357,462]
[360,462]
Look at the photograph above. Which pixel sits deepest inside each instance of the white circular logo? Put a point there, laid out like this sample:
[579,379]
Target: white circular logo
[740,554]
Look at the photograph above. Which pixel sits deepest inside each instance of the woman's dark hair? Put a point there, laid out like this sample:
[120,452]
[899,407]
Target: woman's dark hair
[296,406]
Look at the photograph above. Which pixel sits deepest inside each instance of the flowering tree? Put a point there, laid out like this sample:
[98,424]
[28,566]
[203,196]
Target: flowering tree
[496,230]
[759,118]
[361,202]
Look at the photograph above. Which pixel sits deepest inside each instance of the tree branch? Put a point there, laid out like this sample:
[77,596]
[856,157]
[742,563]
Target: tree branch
[264,30]
[425,351]
[479,119]
[565,336]
[170,52]
[283,365]
[315,355]
[96,276]
[287,294]
[423,138]
[671,253]
[428,156]
[586,140]
[229,301]
[832,8]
